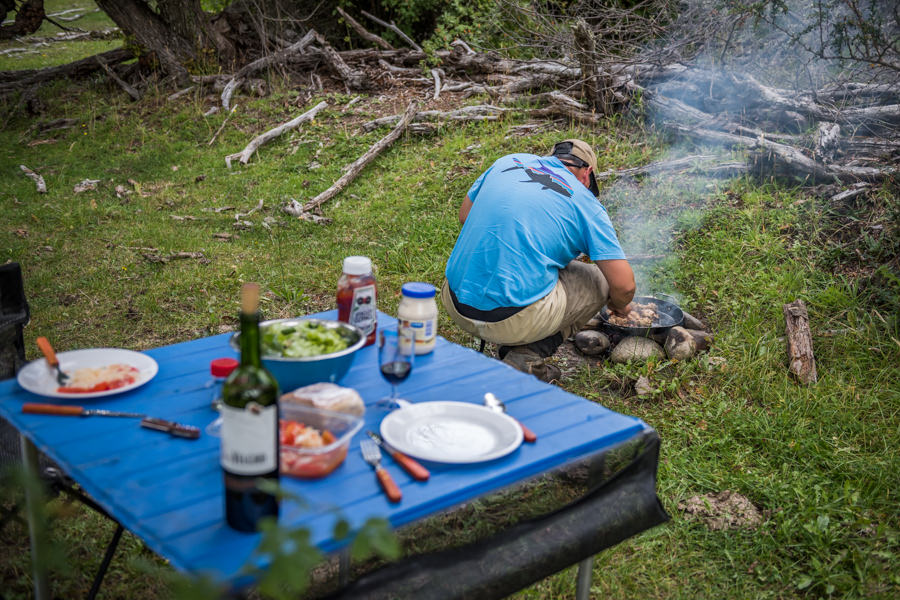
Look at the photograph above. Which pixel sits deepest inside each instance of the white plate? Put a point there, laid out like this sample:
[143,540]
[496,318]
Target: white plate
[451,432]
[40,378]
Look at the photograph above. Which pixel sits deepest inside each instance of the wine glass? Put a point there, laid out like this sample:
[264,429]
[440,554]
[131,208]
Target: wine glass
[396,354]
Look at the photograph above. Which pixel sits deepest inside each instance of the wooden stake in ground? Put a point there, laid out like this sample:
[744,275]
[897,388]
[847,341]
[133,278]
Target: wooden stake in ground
[354,169]
[799,342]
[245,154]
[37,179]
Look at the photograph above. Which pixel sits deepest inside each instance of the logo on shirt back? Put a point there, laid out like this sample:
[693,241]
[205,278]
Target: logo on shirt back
[544,176]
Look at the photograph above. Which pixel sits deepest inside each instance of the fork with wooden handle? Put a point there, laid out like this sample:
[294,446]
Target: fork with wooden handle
[44,344]
[372,455]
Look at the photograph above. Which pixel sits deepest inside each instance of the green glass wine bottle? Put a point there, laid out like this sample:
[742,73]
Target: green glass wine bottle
[249,426]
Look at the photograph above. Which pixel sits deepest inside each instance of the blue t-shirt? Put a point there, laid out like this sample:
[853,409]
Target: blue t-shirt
[530,217]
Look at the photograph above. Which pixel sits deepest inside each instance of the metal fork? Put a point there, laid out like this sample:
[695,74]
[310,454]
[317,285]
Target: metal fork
[372,455]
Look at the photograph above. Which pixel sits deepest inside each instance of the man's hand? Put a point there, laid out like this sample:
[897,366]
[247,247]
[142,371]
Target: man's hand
[620,312]
[620,278]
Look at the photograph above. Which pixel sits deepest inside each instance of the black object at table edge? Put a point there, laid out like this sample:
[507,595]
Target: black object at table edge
[616,509]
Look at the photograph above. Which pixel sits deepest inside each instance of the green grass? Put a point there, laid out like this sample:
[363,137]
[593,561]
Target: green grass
[819,460]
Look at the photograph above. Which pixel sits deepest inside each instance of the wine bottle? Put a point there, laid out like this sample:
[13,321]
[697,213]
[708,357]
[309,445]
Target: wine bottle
[249,426]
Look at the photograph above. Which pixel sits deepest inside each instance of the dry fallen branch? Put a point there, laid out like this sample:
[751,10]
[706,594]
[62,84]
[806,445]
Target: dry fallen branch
[363,32]
[705,163]
[354,169]
[354,80]
[802,363]
[156,258]
[393,27]
[221,127]
[37,179]
[437,73]
[258,207]
[261,63]
[477,112]
[244,155]
[131,91]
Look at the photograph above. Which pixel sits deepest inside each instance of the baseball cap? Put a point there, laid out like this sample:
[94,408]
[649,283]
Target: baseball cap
[577,153]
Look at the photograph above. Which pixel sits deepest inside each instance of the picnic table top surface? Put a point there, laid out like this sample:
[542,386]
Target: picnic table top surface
[169,491]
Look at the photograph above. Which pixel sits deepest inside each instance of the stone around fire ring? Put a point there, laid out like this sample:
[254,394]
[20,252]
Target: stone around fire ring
[591,342]
[691,322]
[680,344]
[636,348]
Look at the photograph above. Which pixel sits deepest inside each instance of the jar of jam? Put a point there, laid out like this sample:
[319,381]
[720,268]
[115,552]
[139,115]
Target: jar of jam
[356,296]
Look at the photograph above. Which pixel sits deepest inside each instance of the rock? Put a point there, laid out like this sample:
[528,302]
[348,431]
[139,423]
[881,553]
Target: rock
[591,342]
[594,322]
[636,348]
[642,387]
[680,344]
[703,339]
[660,338]
[691,322]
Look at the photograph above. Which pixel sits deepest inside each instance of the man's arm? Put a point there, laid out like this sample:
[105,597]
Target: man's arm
[464,209]
[620,278]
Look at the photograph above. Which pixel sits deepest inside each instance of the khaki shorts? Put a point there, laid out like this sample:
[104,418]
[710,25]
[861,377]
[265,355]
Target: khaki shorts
[579,294]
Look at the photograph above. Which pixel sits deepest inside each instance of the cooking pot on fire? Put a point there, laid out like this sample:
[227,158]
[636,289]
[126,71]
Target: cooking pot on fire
[668,315]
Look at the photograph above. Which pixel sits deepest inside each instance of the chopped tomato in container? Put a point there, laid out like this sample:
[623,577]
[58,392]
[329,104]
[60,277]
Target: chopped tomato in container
[314,442]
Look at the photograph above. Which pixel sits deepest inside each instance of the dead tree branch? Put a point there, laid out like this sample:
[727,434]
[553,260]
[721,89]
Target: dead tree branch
[135,95]
[363,32]
[393,27]
[802,362]
[354,80]
[354,169]
[37,179]
[244,155]
[262,63]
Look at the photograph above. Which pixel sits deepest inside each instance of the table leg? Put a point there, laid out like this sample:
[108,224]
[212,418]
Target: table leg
[583,582]
[32,497]
[344,566]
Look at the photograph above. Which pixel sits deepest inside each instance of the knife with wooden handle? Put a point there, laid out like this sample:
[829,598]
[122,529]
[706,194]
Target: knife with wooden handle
[410,465]
[37,408]
[175,429]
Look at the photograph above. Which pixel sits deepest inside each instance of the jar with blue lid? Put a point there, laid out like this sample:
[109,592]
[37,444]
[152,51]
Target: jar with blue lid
[418,311]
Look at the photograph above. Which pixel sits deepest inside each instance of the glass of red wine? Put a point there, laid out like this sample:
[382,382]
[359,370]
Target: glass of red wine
[395,359]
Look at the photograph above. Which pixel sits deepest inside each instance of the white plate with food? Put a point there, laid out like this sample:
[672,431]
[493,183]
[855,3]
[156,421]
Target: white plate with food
[93,373]
[451,432]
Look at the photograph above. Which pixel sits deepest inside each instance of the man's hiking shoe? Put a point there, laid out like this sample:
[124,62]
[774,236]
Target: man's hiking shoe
[529,361]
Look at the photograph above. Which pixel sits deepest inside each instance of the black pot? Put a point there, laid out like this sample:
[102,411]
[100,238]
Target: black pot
[669,315]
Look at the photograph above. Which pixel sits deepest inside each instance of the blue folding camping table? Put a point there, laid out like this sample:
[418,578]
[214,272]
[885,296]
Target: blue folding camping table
[169,491]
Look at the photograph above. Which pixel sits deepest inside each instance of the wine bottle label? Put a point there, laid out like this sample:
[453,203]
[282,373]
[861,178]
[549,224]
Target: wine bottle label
[362,311]
[249,439]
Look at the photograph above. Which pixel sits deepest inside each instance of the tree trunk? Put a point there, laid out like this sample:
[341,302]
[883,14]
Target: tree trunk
[188,20]
[136,18]
[28,20]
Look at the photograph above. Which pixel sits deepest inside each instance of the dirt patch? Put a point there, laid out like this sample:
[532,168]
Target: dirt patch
[570,360]
[723,510]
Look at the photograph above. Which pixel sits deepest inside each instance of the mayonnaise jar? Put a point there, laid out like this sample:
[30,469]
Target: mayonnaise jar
[418,311]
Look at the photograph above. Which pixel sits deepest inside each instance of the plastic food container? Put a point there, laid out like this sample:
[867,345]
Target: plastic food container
[313,463]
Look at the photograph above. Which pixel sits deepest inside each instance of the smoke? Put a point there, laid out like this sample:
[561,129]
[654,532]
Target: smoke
[798,45]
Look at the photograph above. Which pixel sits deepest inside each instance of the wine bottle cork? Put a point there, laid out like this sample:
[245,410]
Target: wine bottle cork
[249,298]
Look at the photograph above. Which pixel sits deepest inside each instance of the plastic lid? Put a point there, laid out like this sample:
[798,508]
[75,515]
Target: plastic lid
[418,289]
[222,367]
[357,265]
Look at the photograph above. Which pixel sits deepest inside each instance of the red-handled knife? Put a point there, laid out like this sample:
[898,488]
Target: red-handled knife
[411,466]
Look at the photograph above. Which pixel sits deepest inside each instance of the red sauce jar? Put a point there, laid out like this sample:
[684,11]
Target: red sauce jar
[356,296]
